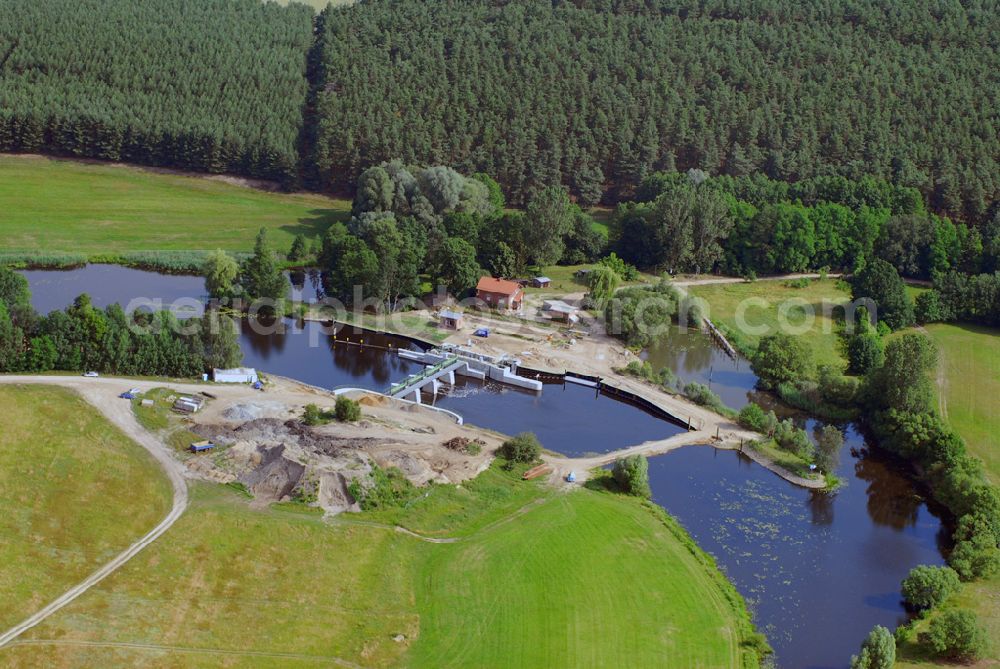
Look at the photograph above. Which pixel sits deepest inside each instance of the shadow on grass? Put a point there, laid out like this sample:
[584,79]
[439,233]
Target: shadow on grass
[317,222]
[603,481]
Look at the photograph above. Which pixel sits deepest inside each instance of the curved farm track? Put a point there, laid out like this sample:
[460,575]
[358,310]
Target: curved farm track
[101,395]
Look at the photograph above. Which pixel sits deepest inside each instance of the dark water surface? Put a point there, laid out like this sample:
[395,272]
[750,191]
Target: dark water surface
[54,289]
[694,357]
[819,570]
[570,418]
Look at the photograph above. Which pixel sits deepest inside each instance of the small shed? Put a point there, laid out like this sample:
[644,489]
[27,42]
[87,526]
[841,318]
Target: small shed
[541,282]
[451,320]
[201,446]
[558,310]
[236,375]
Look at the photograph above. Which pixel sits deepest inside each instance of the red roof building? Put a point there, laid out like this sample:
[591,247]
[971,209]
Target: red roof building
[500,293]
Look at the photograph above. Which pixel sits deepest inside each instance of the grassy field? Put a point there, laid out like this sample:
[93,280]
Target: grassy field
[583,580]
[533,578]
[969,398]
[52,206]
[822,335]
[970,362]
[74,492]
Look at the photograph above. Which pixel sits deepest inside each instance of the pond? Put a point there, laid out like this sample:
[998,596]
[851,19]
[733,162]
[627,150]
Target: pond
[819,570]
[107,284]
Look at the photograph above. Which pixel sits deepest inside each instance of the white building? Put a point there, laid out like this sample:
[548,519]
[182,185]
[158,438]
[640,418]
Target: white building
[237,375]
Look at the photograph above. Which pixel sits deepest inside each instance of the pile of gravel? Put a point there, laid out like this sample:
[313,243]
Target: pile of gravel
[242,412]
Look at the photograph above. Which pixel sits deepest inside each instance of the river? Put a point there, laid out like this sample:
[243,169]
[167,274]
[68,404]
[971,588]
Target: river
[819,570]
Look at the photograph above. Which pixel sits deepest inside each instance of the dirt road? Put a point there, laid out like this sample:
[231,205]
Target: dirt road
[103,393]
[98,392]
[712,280]
[581,467]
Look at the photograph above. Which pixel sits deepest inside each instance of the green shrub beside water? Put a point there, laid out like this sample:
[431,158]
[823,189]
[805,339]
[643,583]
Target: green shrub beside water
[631,473]
[703,395]
[521,448]
[957,635]
[927,587]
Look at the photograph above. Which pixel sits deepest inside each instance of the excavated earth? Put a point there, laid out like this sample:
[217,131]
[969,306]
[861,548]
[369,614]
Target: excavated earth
[267,448]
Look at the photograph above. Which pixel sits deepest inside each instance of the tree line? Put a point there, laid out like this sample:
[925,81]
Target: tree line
[215,86]
[590,95]
[83,337]
[595,95]
[690,222]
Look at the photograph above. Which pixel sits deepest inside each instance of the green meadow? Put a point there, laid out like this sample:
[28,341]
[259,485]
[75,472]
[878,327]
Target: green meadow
[767,305]
[518,575]
[969,387]
[50,206]
[74,492]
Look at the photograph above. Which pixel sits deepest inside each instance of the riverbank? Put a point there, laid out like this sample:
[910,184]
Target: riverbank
[594,356]
[419,598]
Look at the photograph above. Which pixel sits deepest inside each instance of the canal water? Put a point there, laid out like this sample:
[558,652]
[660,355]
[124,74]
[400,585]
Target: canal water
[819,570]
[693,357]
[107,284]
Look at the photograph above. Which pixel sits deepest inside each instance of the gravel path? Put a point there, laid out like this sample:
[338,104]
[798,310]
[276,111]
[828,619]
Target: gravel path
[99,392]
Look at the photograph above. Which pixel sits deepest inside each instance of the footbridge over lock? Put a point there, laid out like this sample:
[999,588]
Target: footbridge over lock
[442,365]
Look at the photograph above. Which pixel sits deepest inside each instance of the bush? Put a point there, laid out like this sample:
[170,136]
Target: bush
[522,448]
[793,439]
[975,554]
[643,370]
[703,395]
[383,488]
[836,388]
[631,473]
[779,358]
[880,282]
[752,417]
[640,314]
[865,352]
[313,415]
[877,652]
[957,635]
[347,410]
[928,308]
[623,269]
[927,587]
[829,442]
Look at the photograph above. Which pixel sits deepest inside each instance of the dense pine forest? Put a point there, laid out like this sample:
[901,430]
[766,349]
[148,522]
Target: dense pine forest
[593,94]
[212,85]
